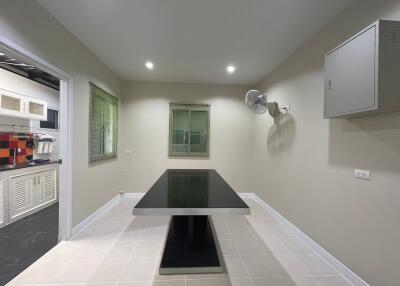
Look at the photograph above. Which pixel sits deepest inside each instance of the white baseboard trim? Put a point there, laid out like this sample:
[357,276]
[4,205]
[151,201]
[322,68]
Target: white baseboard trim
[347,274]
[246,195]
[133,195]
[94,216]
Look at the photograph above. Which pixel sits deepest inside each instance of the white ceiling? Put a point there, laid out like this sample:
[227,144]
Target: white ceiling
[193,40]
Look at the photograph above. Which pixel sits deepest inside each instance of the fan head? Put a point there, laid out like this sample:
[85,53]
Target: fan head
[256,101]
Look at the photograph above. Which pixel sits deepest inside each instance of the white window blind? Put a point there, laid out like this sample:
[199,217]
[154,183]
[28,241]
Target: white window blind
[103,124]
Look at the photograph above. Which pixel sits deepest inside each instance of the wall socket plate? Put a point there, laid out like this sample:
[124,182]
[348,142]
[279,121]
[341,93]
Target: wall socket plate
[361,174]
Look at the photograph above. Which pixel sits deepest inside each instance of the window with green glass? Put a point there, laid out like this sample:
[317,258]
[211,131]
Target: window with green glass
[189,130]
[103,124]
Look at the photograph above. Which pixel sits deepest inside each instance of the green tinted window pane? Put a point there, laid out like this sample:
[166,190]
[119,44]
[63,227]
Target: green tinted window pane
[97,110]
[108,139]
[180,130]
[103,124]
[96,138]
[189,125]
[198,131]
[110,118]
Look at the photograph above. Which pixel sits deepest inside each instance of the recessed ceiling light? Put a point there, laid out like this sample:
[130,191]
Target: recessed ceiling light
[230,69]
[149,65]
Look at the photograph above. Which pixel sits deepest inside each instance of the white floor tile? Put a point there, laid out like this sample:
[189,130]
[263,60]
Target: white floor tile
[74,271]
[316,264]
[208,282]
[235,266]
[121,249]
[124,250]
[64,250]
[92,250]
[295,245]
[154,233]
[131,234]
[305,281]
[228,247]
[168,283]
[223,233]
[293,266]
[39,272]
[331,281]
[139,269]
[159,277]
[138,283]
[273,281]
[251,247]
[108,270]
[264,231]
[263,266]
[148,249]
[275,246]
[241,281]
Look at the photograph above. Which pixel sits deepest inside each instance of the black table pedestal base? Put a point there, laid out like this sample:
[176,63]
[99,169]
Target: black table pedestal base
[190,247]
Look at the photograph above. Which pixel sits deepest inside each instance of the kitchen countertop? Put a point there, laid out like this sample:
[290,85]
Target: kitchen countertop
[26,165]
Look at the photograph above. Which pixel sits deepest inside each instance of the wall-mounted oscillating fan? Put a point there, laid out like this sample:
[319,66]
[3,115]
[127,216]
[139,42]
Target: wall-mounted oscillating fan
[259,104]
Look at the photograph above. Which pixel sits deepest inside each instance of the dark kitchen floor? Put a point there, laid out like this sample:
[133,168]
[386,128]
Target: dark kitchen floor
[24,241]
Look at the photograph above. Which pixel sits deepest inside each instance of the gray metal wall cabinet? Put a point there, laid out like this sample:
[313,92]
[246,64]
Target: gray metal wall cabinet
[362,75]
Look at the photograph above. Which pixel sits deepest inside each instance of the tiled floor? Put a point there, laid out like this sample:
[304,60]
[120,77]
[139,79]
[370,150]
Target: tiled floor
[26,240]
[120,249]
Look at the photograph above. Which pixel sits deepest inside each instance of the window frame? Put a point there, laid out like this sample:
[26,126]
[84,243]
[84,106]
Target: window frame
[190,107]
[95,90]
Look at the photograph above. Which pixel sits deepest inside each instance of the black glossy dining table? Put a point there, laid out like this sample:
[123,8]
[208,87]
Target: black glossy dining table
[190,197]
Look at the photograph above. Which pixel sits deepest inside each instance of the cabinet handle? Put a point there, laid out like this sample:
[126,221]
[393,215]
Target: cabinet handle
[34,181]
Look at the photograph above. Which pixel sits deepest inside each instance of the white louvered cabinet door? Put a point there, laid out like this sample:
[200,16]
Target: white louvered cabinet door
[21,195]
[46,186]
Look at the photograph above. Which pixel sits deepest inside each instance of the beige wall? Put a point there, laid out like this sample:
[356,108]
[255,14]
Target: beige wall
[304,163]
[144,131]
[27,24]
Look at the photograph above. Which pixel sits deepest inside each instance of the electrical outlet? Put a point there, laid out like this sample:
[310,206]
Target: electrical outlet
[361,174]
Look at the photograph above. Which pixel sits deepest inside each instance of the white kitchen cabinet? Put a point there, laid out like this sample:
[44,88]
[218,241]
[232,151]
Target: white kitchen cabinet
[361,74]
[32,191]
[46,186]
[36,109]
[21,195]
[19,105]
[12,103]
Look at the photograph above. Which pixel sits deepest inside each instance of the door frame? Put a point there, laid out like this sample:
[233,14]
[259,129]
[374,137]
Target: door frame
[65,128]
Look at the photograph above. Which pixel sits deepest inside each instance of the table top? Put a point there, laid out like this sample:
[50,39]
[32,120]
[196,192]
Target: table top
[190,192]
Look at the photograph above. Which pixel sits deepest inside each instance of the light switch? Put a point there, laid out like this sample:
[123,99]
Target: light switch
[361,174]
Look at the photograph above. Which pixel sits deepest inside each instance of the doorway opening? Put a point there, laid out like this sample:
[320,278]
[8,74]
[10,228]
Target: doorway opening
[36,107]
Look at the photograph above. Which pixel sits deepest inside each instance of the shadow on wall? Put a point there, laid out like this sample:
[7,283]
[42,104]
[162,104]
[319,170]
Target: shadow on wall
[281,134]
[369,142]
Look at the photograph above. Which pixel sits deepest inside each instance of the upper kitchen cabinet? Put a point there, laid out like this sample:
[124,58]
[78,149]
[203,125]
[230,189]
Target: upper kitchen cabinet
[15,104]
[36,109]
[362,74]
[12,103]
